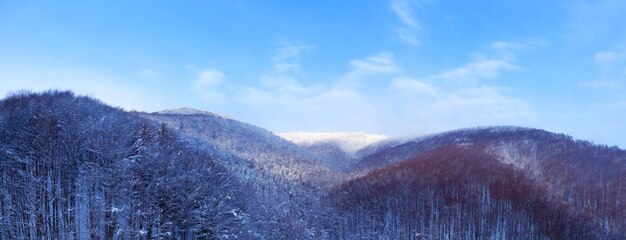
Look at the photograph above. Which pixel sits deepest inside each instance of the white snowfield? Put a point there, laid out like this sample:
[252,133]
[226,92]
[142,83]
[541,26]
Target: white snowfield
[349,142]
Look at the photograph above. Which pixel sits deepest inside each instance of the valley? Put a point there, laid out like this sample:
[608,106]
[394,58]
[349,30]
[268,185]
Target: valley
[72,167]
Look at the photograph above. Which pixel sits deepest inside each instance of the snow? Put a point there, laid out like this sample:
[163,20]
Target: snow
[236,144]
[192,111]
[350,142]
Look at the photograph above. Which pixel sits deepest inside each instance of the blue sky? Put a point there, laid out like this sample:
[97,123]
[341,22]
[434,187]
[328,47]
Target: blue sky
[399,67]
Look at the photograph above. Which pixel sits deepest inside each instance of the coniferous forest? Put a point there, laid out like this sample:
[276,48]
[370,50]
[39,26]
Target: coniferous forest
[72,167]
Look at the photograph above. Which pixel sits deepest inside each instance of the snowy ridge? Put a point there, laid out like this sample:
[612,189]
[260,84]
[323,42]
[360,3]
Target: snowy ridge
[191,111]
[466,131]
[238,143]
[349,142]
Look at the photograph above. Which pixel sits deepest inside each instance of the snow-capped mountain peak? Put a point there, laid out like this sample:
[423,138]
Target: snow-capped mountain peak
[349,142]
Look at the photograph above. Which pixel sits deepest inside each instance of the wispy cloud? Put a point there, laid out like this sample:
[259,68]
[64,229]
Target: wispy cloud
[406,105]
[498,58]
[609,61]
[474,71]
[508,50]
[361,68]
[379,63]
[413,87]
[206,85]
[610,66]
[286,57]
[208,78]
[410,28]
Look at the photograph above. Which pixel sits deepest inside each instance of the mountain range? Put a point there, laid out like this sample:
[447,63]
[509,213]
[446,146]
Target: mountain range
[72,167]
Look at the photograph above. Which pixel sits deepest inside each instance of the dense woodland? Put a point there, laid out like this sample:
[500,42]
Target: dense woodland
[463,193]
[72,167]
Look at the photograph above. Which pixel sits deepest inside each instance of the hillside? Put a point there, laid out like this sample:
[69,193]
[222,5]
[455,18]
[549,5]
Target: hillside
[336,150]
[239,143]
[72,167]
[577,184]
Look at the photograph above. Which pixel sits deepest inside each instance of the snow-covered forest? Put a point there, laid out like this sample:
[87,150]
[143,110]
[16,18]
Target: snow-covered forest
[72,167]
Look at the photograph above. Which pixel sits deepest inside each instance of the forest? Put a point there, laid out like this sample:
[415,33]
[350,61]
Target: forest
[72,167]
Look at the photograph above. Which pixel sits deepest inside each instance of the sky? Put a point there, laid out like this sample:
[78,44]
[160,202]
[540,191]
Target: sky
[393,67]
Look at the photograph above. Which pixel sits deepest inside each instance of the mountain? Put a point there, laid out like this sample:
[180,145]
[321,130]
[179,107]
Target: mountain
[72,167]
[501,139]
[240,143]
[336,150]
[192,111]
[544,186]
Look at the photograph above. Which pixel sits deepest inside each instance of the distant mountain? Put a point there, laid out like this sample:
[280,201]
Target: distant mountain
[336,150]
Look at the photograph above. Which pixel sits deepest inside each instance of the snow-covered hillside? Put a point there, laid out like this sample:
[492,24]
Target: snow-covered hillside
[191,111]
[237,142]
[336,150]
[350,142]
[74,168]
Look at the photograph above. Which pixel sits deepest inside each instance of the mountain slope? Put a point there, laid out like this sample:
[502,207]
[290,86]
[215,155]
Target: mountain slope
[495,137]
[74,168]
[335,150]
[585,179]
[456,192]
[241,143]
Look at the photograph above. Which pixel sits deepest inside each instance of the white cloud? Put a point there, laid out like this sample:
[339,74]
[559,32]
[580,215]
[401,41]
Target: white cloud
[410,28]
[483,105]
[209,78]
[489,100]
[381,63]
[286,58]
[474,71]
[610,66]
[508,50]
[408,35]
[288,51]
[402,8]
[296,107]
[286,67]
[207,86]
[413,87]
[407,105]
[608,61]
